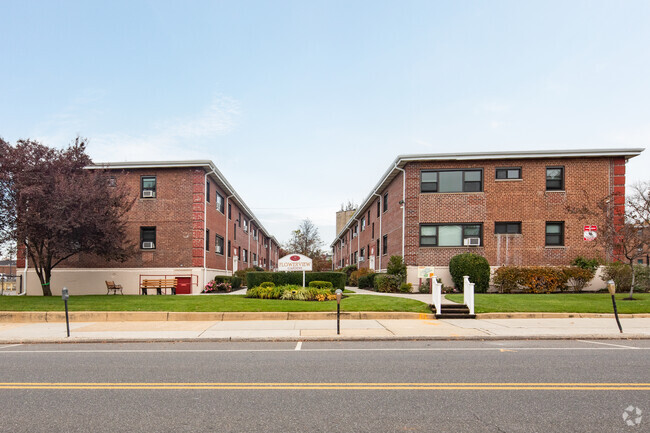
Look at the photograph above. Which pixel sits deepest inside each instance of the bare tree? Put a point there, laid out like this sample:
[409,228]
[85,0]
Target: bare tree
[54,209]
[348,206]
[305,240]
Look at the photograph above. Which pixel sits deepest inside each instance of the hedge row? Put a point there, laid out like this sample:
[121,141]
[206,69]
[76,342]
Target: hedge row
[254,279]
[541,279]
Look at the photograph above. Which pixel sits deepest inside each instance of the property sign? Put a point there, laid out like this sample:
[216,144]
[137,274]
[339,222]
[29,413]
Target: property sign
[590,233]
[426,272]
[294,262]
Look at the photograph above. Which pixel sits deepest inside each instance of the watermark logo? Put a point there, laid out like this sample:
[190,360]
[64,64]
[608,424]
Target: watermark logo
[632,416]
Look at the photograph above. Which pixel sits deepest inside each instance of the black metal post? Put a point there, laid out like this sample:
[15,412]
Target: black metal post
[618,322]
[338,318]
[67,320]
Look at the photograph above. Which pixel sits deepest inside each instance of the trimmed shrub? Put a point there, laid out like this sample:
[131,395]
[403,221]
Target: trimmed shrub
[387,283]
[347,270]
[254,279]
[642,278]
[267,284]
[507,278]
[588,264]
[406,288]
[353,280]
[367,281]
[322,285]
[542,279]
[577,277]
[473,265]
[396,266]
[620,273]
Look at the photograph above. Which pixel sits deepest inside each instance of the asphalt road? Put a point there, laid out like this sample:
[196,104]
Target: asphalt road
[508,386]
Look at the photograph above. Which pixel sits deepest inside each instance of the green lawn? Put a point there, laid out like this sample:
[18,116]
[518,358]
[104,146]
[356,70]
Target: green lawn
[205,303]
[557,303]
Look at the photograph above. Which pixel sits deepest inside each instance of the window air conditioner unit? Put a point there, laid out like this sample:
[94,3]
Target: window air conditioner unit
[472,242]
[147,193]
[361,259]
[147,245]
[255,262]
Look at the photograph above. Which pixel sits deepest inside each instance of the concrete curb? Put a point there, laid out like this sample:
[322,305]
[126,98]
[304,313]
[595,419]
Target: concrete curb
[484,316]
[77,340]
[163,316]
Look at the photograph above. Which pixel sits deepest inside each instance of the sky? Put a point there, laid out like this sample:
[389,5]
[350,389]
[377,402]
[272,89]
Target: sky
[303,105]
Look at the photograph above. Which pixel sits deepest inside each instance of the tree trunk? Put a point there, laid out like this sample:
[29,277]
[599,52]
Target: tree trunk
[632,285]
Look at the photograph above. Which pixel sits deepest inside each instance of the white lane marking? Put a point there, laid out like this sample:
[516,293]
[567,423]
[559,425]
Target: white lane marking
[427,349]
[609,344]
[298,346]
[10,345]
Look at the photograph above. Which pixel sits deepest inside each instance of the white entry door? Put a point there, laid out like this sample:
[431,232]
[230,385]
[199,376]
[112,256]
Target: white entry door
[234,264]
[371,262]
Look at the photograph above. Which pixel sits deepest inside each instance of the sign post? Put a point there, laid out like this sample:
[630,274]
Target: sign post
[65,296]
[339,294]
[295,262]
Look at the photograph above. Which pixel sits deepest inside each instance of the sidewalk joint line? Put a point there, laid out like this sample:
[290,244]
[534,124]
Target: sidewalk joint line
[10,345]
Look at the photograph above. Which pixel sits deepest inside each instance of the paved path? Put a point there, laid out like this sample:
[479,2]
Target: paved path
[297,330]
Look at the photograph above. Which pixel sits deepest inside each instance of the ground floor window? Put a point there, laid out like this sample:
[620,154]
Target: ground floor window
[147,238]
[450,235]
[218,245]
[384,246]
[554,233]
[509,228]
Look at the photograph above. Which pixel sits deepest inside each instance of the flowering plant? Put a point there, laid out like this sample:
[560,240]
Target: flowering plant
[212,287]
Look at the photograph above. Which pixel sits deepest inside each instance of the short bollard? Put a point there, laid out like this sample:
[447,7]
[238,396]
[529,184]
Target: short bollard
[339,294]
[611,287]
[65,297]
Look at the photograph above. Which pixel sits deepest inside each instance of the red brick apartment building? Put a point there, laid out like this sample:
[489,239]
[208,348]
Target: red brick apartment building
[187,221]
[509,207]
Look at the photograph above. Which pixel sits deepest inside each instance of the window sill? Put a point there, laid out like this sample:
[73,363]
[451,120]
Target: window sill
[508,180]
[555,247]
[456,247]
[469,192]
[510,235]
[555,190]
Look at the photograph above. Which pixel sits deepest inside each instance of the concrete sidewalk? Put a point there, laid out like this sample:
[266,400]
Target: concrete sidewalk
[304,330]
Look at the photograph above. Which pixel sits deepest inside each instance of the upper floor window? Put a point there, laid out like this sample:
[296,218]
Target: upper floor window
[245,226]
[148,238]
[384,245]
[207,191]
[207,240]
[507,173]
[450,235]
[363,223]
[378,208]
[509,228]
[554,233]
[385,202]
[112,181]
[229,211]
[555,178]
[451,181]
[148,187]
[218,244]
[220,202]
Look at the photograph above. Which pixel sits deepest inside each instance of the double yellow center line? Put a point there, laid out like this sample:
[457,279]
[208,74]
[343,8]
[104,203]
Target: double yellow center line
[560,386]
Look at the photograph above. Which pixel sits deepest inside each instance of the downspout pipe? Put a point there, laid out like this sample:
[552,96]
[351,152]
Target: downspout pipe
[227,226]
[403,206]
[381,214]
[24,285]
[205,221]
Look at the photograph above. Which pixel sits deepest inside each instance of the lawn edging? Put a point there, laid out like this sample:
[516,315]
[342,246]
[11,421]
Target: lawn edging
[163,316]
[484,316]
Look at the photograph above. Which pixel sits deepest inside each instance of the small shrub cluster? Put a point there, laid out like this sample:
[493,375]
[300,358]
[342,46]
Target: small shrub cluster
[472,265]
[254,279]
[234,281]
[406,287]
[588,264]
[213,287]
[425,286]
[268,290]
[367,281]
[347,270]
[541,279]
[620,273]
[353,280]
[642,278]
[397,267]
[322,285]
[387,283]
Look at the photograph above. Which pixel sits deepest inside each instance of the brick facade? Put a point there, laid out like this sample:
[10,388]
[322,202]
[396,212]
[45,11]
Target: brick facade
[588,177]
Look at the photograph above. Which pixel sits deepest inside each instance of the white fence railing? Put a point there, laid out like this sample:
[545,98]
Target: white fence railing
[468,294]
[436,293]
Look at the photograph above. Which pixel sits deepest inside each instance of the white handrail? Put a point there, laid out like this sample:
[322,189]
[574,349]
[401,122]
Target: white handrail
[436,292]
[468,294]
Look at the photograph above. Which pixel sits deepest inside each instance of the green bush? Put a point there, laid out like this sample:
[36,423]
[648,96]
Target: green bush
[222,279]
[396,266]
[507,278]
[235,282]
[642,278]
[406,287]
[538,279]
[254,279]
[588,264]
[578,277]
[348,271]
[425,287]
[387,283]
[620,273]
[322,285]
[473,265]
[267,284]
[367,281]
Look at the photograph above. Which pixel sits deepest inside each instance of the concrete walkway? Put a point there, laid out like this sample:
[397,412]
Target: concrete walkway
[425,328]
[423,297]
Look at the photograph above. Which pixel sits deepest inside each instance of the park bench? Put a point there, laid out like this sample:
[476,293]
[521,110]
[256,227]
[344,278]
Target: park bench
[159,285]
[110,285]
